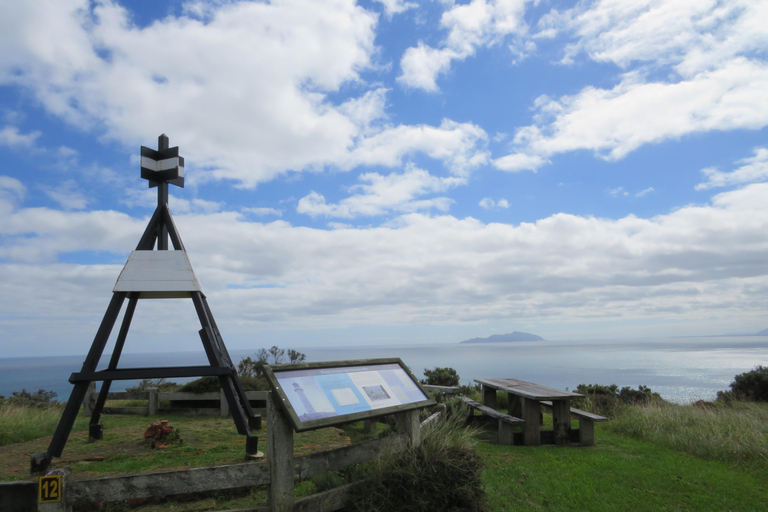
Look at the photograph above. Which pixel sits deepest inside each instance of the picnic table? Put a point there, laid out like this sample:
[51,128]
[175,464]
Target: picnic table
[525,402]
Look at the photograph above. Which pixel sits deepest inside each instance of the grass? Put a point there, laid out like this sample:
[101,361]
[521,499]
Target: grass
[659,457]
[735,433]
[618,474]
[206,441]
[19,423]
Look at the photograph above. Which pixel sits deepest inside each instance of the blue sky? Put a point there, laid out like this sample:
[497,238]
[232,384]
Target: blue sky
[388,172]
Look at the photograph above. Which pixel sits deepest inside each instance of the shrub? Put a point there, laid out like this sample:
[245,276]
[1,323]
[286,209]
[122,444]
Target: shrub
[202,385]
[610,400]
[212,384]
[442,473]
[641,395]
[750,386]
[40,398]
[248,367]
[161,384]
[441,377]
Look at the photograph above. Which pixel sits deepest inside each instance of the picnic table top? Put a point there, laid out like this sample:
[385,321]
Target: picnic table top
[527,389]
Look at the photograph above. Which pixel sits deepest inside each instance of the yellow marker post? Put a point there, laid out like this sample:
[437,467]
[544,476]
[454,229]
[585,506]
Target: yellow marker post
[50,488]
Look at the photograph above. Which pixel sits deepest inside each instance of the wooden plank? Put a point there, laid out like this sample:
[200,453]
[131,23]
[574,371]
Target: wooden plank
[531,413]
[527,389]
[489,396]
[82,492]
[280,456]
[179,396]
[561,421]
[408,424]
[133,395]
[165,411]
[211,395]
[580,413]
[493,413]
[327,501]
[586,431]
[158,274]
[331,460]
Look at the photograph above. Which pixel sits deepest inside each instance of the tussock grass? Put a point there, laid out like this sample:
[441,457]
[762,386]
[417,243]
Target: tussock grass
[733,433]
[443,473]
[20,423]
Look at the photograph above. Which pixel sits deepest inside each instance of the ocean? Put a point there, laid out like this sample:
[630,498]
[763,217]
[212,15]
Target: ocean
[682,370]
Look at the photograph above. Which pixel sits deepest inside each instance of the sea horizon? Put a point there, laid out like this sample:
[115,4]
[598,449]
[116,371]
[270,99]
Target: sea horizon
[681,369]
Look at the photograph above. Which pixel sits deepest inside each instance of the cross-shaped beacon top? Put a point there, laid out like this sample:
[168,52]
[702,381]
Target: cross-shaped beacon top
[163,165]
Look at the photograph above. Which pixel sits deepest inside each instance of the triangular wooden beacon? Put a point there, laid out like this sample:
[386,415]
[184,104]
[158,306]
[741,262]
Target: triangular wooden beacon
[153,274]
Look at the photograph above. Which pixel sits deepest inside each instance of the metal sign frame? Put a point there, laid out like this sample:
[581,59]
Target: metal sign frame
[323,394]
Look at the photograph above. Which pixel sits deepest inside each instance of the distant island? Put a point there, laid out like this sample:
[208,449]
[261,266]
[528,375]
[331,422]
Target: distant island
[506,338]
[764,332]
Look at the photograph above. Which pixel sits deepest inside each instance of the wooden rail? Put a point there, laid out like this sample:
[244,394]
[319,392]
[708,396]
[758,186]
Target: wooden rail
[278,472]
[155,397]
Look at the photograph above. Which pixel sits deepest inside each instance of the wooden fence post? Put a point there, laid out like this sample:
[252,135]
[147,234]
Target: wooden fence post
[408,423]
[280,458]
[152,411]
[223,404]
[89,402]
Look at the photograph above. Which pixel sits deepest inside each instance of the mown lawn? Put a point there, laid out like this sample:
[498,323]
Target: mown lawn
[617,474]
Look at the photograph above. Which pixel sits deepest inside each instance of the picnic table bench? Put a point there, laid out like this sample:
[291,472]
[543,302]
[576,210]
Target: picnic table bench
[586,430]
[525,401]
[505,421]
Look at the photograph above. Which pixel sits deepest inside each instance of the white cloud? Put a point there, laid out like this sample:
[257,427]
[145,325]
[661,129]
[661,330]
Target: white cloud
[691,66]
[617,192]
[11,187]
[476,24]
[242,87]
[422,64]
[67,195]
[754,169]
[460,146]
[392,7]
[11,136]
[617,121]
[695,262]
[645,192]
[691,35]
[519,162]
[263,212]
[490,204]
[396,192]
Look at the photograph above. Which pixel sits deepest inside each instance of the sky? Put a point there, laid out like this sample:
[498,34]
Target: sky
[387,171]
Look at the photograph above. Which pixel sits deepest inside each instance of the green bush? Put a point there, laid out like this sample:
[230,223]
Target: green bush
[610,400]
[441,377]
[212,384]
[161,384]
[443,473]
[248,367]
[749,386]
[202,385]
[40,398]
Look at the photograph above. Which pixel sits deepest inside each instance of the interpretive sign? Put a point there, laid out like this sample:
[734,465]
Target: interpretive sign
[318,395]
